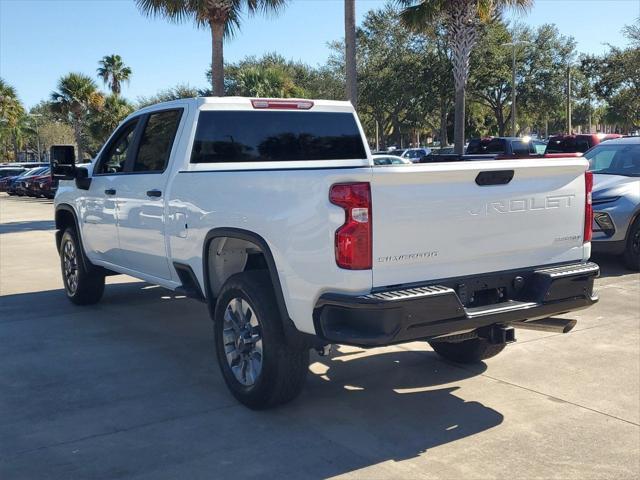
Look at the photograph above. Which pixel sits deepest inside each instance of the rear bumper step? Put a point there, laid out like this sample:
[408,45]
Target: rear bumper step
[424,312]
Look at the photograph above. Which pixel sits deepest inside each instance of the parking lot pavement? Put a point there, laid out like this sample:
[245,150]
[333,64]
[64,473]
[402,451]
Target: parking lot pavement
[128,388]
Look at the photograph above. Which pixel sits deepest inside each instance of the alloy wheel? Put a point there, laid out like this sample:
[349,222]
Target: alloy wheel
[242,337]
[70,266]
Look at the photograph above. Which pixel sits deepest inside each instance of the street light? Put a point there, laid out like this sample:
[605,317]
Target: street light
[35,116]
[514,45]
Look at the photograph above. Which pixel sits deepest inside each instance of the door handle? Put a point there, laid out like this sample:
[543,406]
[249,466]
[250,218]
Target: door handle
[495,177]
[154,193]
[110,191]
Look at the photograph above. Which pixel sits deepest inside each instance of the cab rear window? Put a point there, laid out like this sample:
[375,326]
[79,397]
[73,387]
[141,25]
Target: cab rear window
[250,136]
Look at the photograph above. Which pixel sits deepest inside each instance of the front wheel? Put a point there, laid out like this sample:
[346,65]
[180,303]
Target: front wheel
[632,249]
[260,367]
[468,351]
[83,286]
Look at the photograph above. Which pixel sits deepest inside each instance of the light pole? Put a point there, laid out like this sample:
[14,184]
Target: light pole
[35,116]
[514,45]
[569,126]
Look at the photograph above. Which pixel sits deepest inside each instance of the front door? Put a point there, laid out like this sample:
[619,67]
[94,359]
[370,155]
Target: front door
[98,206]
[141,196]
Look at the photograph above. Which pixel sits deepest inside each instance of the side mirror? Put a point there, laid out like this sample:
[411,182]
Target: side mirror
[63,162]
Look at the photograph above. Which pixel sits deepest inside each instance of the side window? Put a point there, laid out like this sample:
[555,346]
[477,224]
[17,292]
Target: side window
[582,145]
[496,146]
[520,148]
[602,158]
[115,156]
[156,141]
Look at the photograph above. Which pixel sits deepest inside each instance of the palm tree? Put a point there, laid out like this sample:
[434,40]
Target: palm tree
[104,121]
[77,95]
[10,107]
[350,50]
[11,114]
[113,72]
[221,16]
[461,20]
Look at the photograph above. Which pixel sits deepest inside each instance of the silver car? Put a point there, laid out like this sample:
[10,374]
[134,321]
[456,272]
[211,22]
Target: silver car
[616,198]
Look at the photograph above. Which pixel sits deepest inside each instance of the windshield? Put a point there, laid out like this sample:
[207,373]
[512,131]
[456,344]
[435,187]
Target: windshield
[615,159]
[33,171]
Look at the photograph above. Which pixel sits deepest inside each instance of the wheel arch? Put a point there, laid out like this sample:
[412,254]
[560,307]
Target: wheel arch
[251,237]
[65,217]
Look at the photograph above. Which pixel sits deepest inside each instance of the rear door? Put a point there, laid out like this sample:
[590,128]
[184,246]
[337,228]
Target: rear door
[434,221]
[141,196]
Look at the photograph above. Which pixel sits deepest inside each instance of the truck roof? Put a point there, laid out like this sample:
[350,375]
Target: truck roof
[246,103]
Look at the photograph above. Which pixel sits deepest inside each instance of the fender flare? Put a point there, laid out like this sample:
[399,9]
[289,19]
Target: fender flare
[68,208]
[249,237]
[303,340]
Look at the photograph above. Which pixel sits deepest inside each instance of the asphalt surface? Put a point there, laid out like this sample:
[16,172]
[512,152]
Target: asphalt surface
[129,388]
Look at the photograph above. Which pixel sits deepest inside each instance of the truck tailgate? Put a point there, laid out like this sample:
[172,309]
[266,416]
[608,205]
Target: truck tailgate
[433,221]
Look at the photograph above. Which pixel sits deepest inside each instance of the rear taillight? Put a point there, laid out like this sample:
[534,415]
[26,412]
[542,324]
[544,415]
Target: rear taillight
[353,238]
[588,206]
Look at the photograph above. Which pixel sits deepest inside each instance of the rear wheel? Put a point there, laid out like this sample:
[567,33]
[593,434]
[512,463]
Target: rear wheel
[632,249]
[259,366]
[468,351]
[83,286]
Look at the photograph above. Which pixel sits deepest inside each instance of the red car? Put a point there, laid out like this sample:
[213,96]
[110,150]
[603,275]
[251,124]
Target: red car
[46,186]
[560,145]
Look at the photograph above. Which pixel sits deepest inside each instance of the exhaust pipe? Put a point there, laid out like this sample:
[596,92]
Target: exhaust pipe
[556,325]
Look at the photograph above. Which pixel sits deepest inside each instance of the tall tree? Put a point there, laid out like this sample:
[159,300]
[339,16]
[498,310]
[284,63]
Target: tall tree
[113,72]
[350,50]
[104,121]
[76,96]
[11,118]
[617,80]
[177,92]
[461,20]
[221,16]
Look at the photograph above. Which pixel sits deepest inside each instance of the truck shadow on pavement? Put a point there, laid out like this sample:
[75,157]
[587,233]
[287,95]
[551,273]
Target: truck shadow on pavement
[130,387]
[610,265]
[27,226]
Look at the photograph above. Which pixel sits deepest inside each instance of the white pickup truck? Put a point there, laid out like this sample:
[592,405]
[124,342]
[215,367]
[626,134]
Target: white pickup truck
[273,213]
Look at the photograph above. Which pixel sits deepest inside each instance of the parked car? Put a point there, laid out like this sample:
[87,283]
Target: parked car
[415,155]
[17,186]
[390,160]
[477,146]
[7,175]
[34,185]
[616,198]
[11,171]
[47,187]
[273,213]
[563,144]
[500,147]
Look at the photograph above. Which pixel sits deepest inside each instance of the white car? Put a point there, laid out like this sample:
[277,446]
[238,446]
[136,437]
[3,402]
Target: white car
[415,154]
[389,160]
[272,212]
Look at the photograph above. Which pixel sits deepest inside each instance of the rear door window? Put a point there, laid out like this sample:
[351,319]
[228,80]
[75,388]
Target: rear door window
[249,136]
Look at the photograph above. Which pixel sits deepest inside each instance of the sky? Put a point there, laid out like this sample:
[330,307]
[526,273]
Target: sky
[41,40]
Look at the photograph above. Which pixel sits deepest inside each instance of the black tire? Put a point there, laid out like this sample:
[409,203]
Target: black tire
[87,286]
[469,351]
[284,366]
[632,248]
